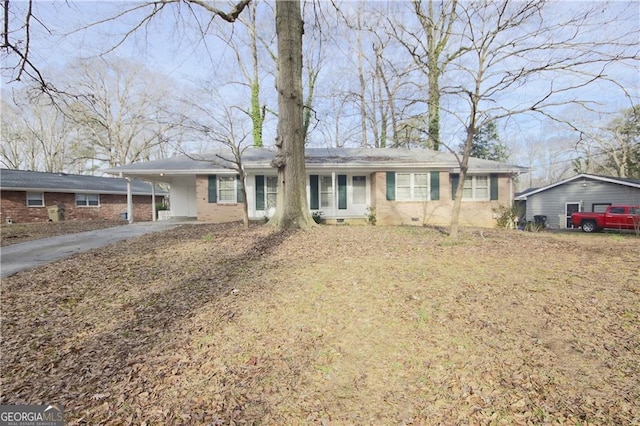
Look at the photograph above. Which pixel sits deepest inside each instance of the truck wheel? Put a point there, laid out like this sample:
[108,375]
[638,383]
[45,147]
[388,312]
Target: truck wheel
[589,226]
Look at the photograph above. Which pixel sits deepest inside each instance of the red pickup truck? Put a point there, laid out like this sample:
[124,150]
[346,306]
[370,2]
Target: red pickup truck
[616,217]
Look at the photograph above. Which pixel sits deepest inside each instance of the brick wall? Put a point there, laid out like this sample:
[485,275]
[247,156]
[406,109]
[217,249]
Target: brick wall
[472,213]
[13,204]
[214,212]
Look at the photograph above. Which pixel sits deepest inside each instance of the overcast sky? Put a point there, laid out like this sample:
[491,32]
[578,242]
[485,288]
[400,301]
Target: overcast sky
[171,44]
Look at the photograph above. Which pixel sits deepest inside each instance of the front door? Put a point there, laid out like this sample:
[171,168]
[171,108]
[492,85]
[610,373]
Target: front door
[570,209]
[359,195]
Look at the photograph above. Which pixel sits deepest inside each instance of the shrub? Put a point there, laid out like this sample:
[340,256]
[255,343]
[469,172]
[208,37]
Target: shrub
[508,216]
[317,216]
[371,215]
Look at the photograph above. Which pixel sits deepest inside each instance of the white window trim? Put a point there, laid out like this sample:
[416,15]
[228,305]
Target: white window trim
[474,189]
[235,190]
[331,193]
[351,190]
[34,205]
[412,186]
[267,192]
[87,200]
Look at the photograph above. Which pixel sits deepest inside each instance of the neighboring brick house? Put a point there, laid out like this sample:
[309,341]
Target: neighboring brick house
[27,196]
[402,186]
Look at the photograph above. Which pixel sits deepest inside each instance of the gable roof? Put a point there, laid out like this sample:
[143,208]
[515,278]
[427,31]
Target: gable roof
[633,183]
[374,159]
[24,180]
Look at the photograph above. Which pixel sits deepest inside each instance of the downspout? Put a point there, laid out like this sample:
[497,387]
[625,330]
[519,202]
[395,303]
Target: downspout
[511,190]
[129,202]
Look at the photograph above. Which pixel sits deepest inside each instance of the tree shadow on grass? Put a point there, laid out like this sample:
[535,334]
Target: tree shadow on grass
[95,372]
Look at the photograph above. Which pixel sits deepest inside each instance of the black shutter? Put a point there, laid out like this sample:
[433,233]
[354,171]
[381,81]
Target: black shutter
[493,185]
[342,192]
[313,192]
[435,185]
[260,201]
[391,186]
[455,178]
[239,194]
[213,188]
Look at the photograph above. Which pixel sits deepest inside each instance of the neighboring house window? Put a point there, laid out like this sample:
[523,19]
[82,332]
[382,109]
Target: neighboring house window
[35,199]
[87,200]
[227,189]
[412,186]
[476,188]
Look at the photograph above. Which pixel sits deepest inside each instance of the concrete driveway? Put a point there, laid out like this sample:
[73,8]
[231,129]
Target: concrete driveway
[23,256]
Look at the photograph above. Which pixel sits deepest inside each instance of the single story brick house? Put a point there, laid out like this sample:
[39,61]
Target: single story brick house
[27,196]
[553,204]
[402,186]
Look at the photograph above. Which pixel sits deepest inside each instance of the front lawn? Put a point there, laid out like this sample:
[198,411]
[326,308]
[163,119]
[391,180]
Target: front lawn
[213,324]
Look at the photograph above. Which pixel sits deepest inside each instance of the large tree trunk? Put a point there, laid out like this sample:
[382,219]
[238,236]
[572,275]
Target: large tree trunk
[292,210]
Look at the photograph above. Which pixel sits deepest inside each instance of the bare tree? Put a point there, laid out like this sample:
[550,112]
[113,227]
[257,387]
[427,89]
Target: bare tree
[17,28]
[37,135]
[122,110]
[247,46]
[219,125]
[292,210]
[15,150]
[511,45]
[429,47]
[614,148]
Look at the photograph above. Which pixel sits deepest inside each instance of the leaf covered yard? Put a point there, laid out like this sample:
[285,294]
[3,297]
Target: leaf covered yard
[215,324]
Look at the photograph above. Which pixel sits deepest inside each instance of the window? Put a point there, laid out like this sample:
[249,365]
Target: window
[87,200]
[272,191]
[226,189]
[599,207]
[326,192]
[359,184]
[412,186]
[616,210]
[266,192]
[476,188]
[35,199]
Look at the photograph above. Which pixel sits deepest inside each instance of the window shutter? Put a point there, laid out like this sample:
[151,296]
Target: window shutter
[455,178]
[213,188]
[260,201]
[314,195]
[435,185]
[493,182]
[342,192]
[239,194]
[391,186]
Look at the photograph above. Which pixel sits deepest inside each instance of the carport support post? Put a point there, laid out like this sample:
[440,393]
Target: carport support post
[153,201]
[129,202]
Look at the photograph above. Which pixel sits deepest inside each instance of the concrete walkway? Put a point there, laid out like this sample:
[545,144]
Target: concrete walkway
[23,256]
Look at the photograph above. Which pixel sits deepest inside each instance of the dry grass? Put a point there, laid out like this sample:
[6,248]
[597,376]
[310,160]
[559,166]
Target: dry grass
[209,324]
[21,232]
